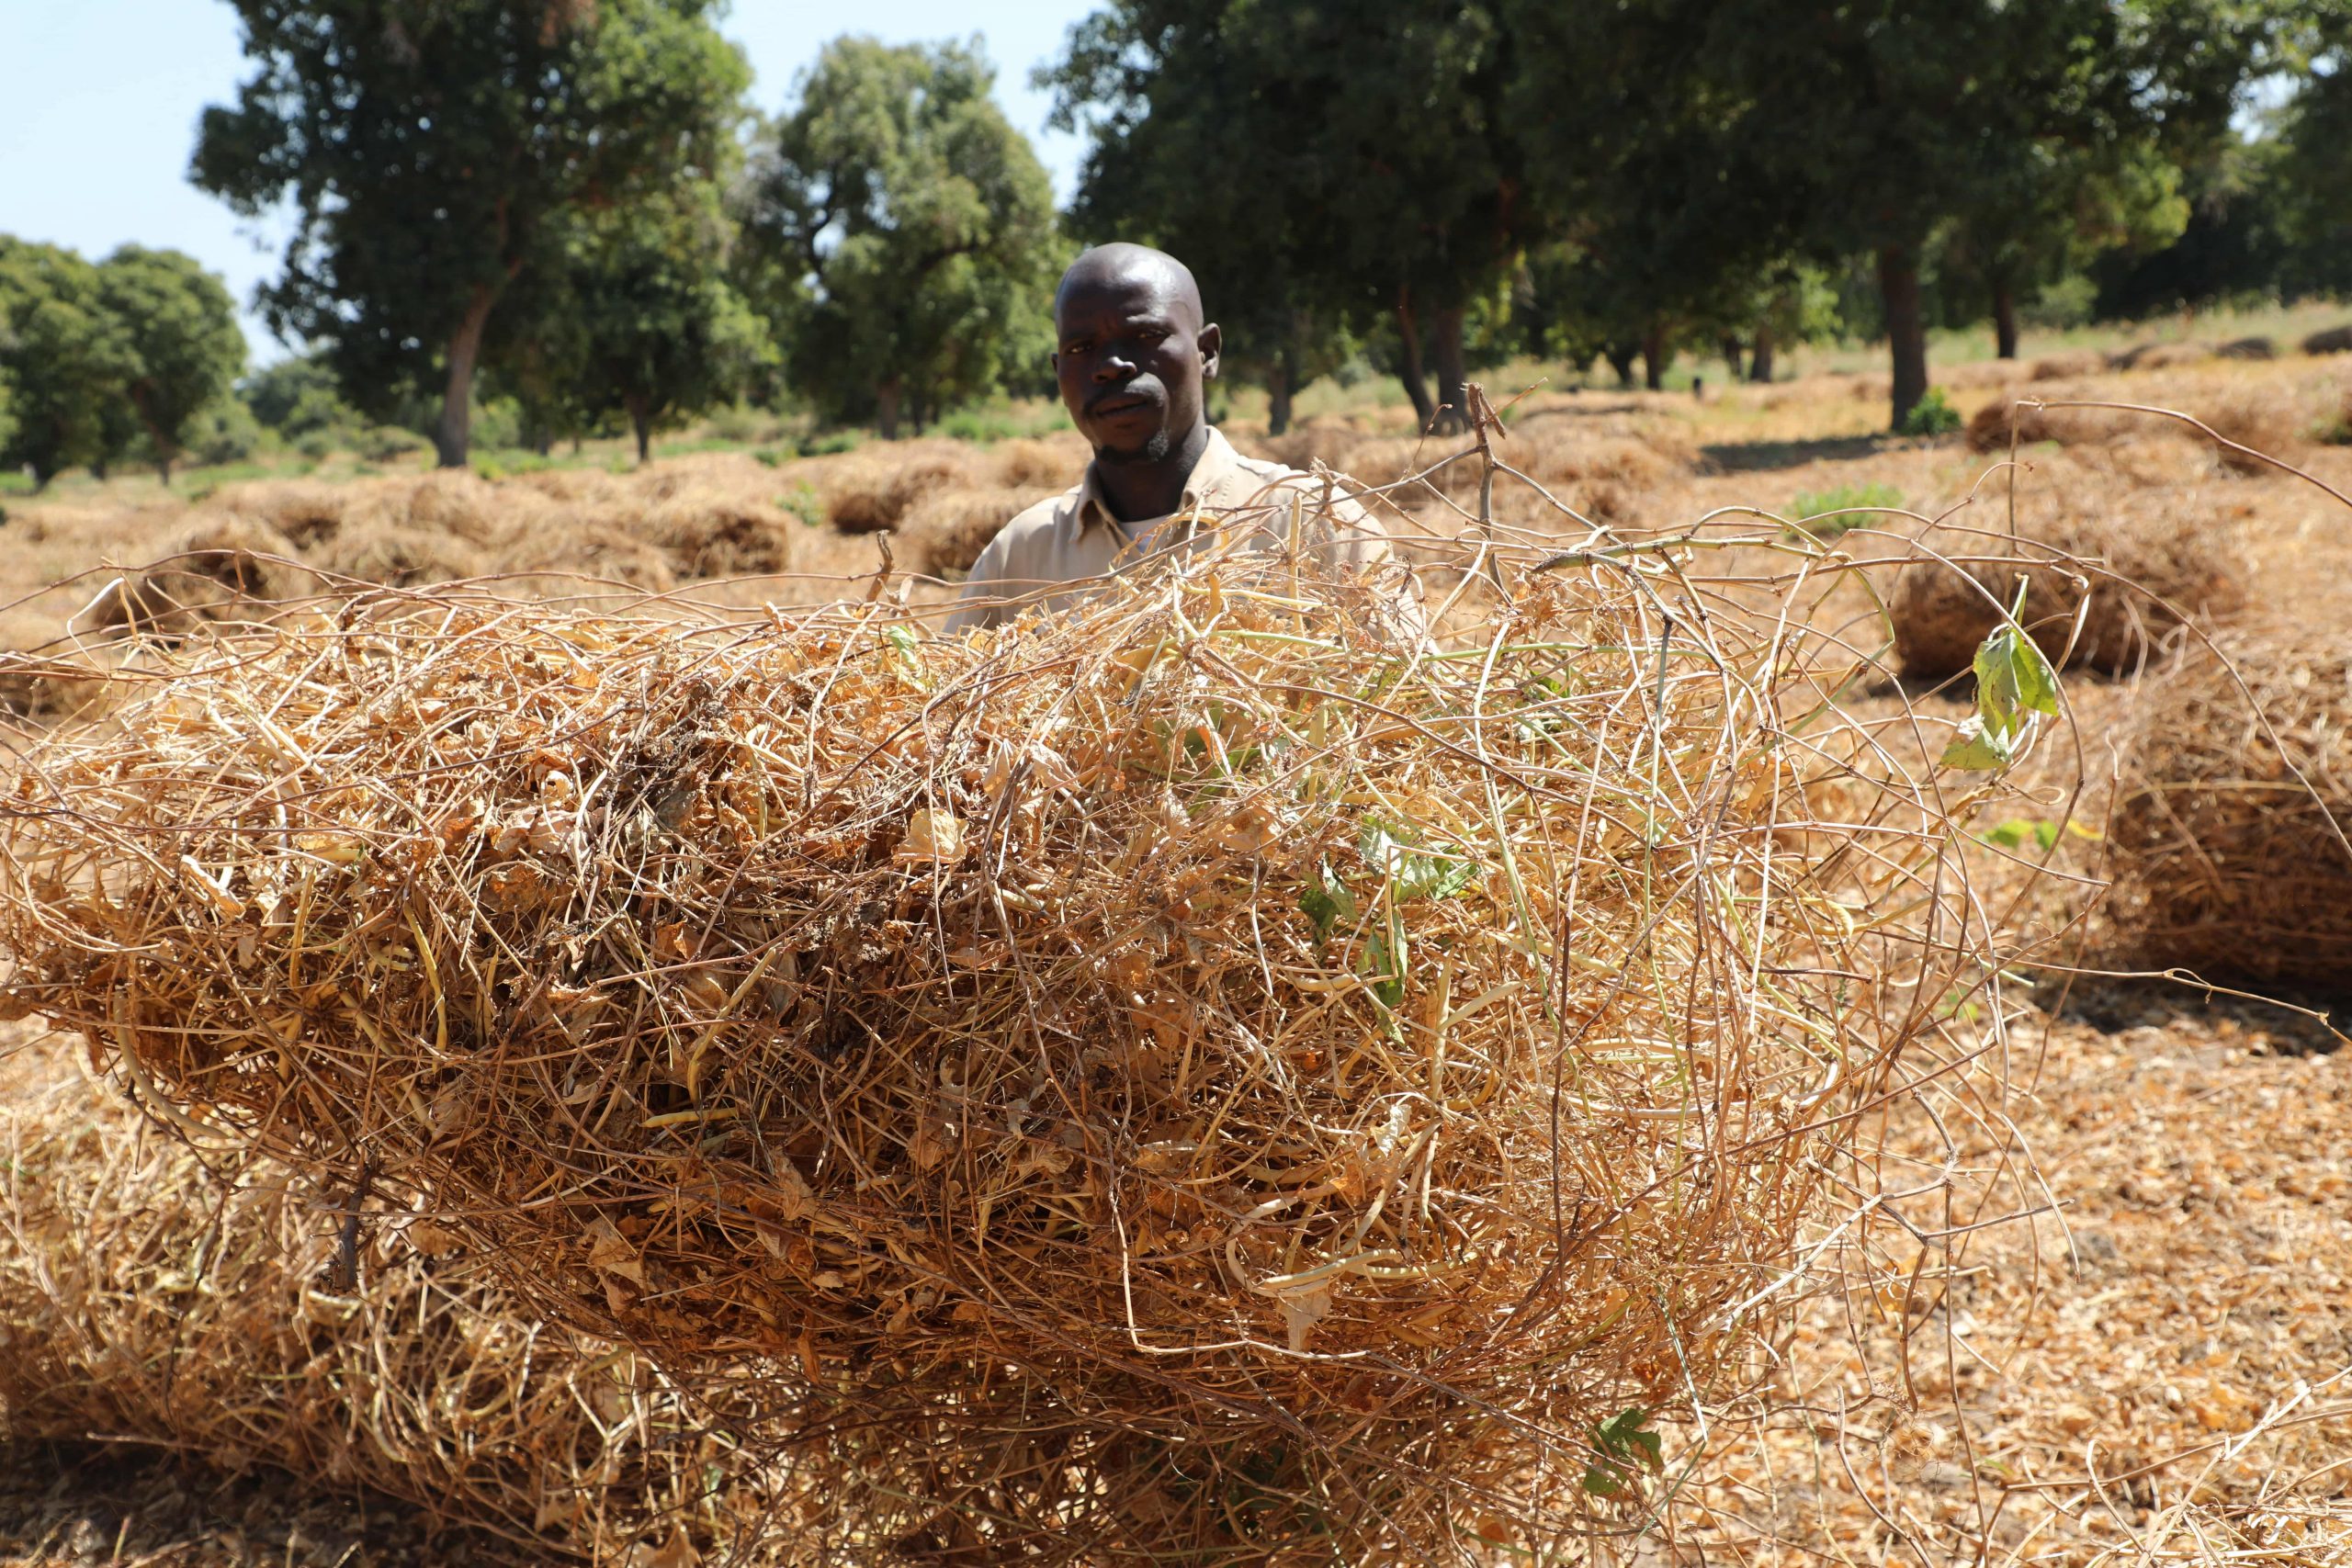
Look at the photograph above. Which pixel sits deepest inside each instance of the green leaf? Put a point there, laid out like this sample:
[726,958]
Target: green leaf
[1383,960]
[1977,747]
[1413,872]
[1626,1436]
[1328,903]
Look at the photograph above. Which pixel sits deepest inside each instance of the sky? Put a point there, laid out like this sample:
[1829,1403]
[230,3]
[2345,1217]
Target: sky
[99,101]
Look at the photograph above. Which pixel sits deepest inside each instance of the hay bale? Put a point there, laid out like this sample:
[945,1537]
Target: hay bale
[949,530]
[2067,365]
[226,567]
[871,489]
[399,554]
[2224,862]
[710,536]
[2332,340]
[1941,610]
[1048,465]
[1988,428]
[1116,1041]
[2255,349]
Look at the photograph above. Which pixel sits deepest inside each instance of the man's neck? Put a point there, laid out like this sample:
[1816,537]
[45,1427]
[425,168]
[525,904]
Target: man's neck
[1137,493]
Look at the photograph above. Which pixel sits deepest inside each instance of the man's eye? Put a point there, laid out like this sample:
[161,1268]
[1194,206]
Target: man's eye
[1080,347]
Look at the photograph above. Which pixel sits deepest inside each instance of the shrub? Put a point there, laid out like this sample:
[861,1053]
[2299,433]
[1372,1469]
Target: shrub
[1812,510]
[388,443]
[318,445]
[1931,416]
[803,502]
[223,432]
[830,443]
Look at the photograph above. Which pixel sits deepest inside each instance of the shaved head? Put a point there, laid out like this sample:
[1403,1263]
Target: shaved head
[1121,265]
[1133,349]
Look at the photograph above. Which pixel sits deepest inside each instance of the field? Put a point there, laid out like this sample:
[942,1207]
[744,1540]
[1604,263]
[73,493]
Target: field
[2151,1361]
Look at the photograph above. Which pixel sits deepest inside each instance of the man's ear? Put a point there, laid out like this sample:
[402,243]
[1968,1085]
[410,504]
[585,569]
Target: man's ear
[1211,342]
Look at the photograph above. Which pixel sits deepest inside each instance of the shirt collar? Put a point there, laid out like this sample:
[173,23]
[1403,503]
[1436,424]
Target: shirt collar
[1218,464]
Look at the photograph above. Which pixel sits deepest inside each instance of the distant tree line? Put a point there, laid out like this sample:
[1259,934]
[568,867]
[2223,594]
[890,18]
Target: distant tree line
[565,218]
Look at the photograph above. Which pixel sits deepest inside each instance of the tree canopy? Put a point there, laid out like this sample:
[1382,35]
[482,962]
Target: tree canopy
[66,357]
[430,150]
[180,335]
[903,233]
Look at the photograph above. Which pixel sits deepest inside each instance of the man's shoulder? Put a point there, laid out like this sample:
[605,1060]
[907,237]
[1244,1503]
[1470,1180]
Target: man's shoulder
[1038,518]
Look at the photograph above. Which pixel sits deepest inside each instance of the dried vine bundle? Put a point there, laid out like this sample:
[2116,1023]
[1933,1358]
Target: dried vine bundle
[1204,1074]
[145,1298]
[2228,840]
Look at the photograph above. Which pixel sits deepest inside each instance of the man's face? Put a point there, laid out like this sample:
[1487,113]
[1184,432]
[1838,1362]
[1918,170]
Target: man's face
[1131,359]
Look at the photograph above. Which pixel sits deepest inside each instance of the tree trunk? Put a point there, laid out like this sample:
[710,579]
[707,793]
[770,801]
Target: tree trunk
[1654,358]
[2004,316]
[1620,359]
[1759,359]
[1907,331]
[641,419]
[452,441]
[163,472]
[1409,359]
[1280,378]
[886,408]
[1452,380]
[1731,351]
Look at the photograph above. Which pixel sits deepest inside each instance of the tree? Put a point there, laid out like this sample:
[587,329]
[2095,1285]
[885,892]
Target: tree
[430,147]
[180,329]
[64,356]
[1355,153]
[639,321]
[904,232]
[297,395]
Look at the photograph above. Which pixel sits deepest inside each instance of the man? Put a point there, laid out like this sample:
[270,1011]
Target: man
[1133,350]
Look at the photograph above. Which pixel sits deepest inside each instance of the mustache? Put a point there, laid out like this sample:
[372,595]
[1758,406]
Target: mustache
[1134,391]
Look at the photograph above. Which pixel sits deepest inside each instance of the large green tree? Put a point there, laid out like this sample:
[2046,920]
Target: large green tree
[639,321]
[180,330]
[902,233]
[65,357]
[430,150]
[1351,153]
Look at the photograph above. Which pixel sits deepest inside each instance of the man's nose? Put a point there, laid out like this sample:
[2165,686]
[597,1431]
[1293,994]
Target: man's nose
[1115,366]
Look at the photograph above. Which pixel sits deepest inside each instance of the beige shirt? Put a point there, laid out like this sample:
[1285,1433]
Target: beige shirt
[1048,556]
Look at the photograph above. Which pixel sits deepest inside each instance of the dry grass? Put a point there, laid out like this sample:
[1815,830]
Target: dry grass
[1149,1044]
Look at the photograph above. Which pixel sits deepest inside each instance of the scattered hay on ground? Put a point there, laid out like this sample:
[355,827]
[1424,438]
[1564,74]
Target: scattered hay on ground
[2111,582]
[1135,1060]
[2225,860]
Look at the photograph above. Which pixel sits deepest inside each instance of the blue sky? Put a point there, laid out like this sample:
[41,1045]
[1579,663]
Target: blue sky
[99,100]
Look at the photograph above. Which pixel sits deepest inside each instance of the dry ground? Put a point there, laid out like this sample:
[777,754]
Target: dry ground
[2155,1366]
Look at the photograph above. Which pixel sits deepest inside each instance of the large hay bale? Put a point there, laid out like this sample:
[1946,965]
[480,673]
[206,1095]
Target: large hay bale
[950,529]
[1162,1052]
[2224,860]
[713,535]
[2067,365]
[2172,560]
[871,489]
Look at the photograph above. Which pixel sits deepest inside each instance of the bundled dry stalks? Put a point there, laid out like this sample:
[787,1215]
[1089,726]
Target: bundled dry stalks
[2229,834]
[145,1298]
[1200,1077]
[2103,588]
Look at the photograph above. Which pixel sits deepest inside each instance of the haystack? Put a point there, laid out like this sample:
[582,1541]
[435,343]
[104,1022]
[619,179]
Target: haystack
[2331,340]
[1205,1066]
[872,487]
[2143,565]
[951,528]
[227,566]
[2228,838]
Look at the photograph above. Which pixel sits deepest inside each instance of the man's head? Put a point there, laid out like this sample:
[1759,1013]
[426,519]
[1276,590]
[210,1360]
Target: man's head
[1132,352]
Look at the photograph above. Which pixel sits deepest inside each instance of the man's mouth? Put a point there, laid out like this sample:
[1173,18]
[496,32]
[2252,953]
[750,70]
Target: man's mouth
[1119,403]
